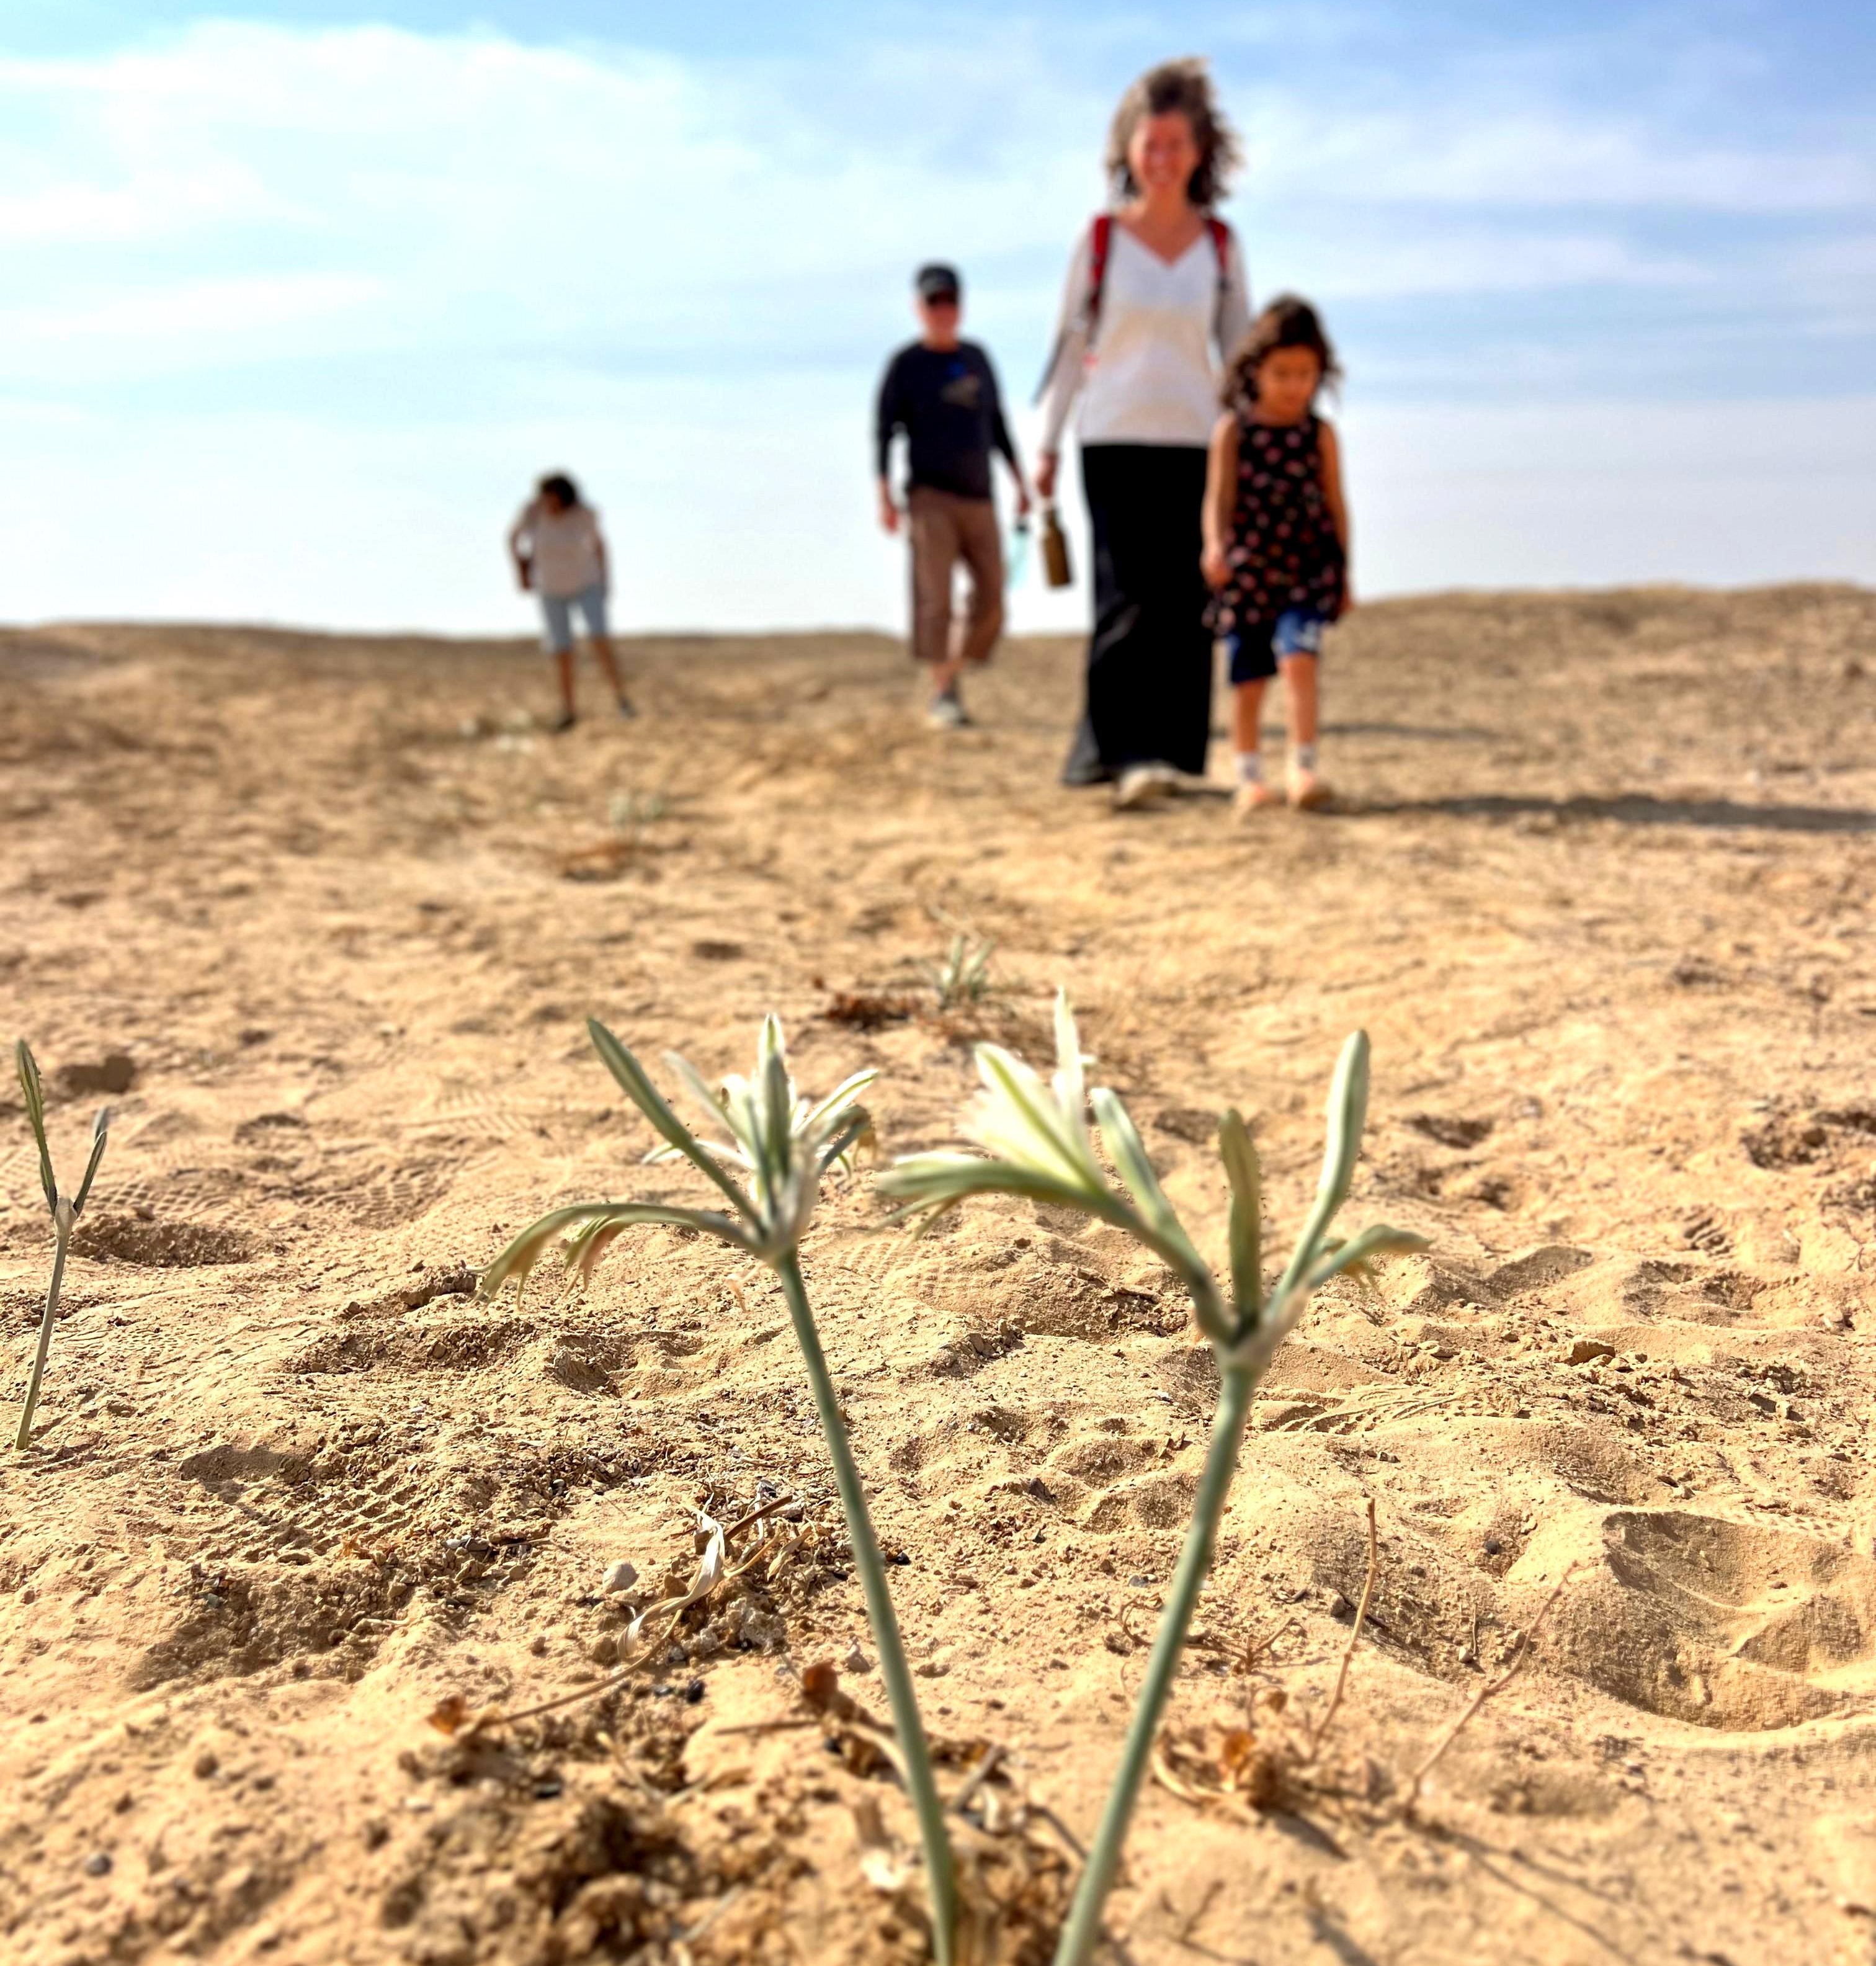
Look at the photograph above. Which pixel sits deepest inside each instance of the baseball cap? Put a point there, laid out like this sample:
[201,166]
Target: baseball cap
[937,282]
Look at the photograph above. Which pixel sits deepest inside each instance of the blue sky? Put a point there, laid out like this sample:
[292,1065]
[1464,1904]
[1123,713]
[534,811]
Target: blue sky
[297,301]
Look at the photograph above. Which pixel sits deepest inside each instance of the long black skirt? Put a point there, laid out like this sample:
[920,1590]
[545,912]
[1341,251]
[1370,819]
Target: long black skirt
[1149,659]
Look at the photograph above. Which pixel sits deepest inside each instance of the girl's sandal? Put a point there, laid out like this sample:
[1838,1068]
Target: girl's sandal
[1307,792]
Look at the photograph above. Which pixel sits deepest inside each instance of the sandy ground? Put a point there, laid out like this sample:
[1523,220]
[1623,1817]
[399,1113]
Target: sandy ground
[1599,891]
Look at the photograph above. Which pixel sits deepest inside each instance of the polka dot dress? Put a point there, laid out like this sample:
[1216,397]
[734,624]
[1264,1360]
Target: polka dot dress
[1283,551]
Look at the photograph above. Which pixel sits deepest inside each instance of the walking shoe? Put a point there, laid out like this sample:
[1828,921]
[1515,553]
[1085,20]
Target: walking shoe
[1254,797]
[564,721]
[1308,793]
[627,708]
[946,713]
[1144,784]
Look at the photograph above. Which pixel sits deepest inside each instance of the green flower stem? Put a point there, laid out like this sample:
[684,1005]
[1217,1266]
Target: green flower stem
[63,1224]
[1082,1932]
[894,1669]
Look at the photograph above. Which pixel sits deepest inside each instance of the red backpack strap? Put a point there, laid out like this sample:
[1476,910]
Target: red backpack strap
[1221,245]
[1099,240]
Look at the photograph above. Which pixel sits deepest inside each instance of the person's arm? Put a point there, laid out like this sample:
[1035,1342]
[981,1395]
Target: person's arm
[1000,437]
[1234,300]
[1338,506]
[887,417]
[1221,486]
[1064,380]
[599,550]
[520,540]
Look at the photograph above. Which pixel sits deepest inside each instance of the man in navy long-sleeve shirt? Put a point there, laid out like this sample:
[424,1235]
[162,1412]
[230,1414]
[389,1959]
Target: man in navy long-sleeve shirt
[942,392]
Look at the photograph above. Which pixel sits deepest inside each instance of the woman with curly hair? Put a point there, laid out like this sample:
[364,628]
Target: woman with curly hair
[1155,296]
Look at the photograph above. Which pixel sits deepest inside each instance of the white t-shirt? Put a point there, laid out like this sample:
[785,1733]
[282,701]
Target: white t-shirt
[1150,376]
[563,547]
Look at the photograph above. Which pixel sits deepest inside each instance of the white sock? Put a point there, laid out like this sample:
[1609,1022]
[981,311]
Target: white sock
[1250,766]
[1303,756]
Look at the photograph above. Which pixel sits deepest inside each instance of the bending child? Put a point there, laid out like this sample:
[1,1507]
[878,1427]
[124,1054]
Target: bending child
[559,552]
[1276,535]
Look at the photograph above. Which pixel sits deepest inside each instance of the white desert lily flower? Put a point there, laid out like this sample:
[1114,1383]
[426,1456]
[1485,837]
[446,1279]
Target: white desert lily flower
[1036,1139]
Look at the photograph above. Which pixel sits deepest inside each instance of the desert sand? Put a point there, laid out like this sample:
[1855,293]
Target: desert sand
[328,916]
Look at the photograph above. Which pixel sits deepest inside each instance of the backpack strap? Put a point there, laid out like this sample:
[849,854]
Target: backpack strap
[1099,240]
[1221,246]
[1100,244]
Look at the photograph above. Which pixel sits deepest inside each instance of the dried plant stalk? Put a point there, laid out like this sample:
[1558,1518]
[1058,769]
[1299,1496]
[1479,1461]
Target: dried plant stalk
[1490,1690]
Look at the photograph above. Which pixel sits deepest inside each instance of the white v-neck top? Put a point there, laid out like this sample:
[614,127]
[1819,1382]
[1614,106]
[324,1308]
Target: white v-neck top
[1149,376]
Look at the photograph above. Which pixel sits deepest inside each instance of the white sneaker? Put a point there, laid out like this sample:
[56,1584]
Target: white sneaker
[946,714]
[1144,784]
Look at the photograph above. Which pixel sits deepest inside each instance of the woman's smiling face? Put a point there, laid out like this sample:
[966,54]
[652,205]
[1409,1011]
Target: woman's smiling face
[1162,153]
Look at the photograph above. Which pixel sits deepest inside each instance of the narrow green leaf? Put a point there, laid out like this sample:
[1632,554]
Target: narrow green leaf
[33,1094]
[1379,1241]
[778,1098]
[1247,1213]
[1070,1082]
[928,1180]
[1124,1145]
[1347,1113]
[1347,1109]
[100,1132]
[528,1248]
[841,1143]
[650,1101]
[1021,1119]
[839,1098]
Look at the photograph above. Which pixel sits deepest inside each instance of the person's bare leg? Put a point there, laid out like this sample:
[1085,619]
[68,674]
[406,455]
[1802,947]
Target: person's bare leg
[608,665]
[1306,786]
[1247,711]
[563,668]
[980,548]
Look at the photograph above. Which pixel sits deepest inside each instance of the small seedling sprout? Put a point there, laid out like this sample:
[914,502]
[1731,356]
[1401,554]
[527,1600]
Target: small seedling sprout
[769,1174]
[963,976]
[65,1211]
[1038,1145]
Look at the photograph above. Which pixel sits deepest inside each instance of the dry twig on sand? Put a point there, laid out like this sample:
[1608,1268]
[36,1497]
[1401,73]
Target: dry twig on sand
[1348,1651]
[1490,1690]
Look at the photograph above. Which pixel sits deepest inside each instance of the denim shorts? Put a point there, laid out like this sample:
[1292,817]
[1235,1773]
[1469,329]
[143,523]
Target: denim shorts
[1256,650]
[557,617]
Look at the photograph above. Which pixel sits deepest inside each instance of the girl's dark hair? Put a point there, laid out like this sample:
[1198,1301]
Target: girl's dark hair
[558,484]
[1286,323]
[1184,86]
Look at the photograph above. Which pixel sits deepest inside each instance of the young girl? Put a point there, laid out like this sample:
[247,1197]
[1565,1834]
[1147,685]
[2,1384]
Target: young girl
[1276,536]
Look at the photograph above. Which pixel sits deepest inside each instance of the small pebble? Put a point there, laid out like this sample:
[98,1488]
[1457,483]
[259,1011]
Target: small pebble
[206,1764]
[856,1661]
[694,1692]
[546,1790]
[620,1576]
[98,1864]
[1139,1583]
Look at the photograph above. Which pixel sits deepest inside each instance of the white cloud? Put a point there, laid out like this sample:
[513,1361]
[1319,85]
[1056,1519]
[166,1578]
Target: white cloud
[204,312]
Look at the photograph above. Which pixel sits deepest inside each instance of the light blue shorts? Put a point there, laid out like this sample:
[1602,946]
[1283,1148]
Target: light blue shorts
[1256,651]
[556,611]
